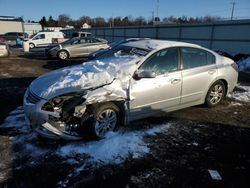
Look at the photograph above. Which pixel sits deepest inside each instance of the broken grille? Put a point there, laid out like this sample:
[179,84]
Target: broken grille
[32,98]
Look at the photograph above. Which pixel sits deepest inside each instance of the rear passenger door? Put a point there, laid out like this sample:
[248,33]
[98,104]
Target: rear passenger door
[198,72]
[94,45]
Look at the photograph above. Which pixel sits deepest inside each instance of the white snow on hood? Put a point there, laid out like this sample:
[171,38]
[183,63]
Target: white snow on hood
[85,76]
[242,94]
[244,65]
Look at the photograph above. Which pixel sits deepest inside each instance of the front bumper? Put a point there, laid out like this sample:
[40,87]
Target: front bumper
[38,121]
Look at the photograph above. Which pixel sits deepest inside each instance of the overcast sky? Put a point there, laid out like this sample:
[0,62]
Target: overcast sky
[34,10]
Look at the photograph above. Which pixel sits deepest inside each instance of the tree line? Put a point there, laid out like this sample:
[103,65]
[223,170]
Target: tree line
[63,20]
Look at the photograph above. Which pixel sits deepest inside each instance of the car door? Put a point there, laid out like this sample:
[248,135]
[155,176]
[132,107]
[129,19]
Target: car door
[198,72]
[94,45]
[79,49]
[151,95]
[39,40]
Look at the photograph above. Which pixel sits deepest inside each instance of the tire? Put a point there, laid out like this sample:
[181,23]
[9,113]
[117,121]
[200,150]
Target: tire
[63,55]
[215,94]
[31,45]
[106,118]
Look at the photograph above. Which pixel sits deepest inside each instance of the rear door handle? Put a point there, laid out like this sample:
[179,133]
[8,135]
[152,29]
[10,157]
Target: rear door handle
[212,71]
[175,81]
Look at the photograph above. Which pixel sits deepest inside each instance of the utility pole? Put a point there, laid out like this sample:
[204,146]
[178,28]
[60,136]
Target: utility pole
[157,9]
[153,17]
[232,13]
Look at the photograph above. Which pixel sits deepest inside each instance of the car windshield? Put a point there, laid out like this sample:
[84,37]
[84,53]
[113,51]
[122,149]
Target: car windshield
[69,41]
[31,36]
[123,51]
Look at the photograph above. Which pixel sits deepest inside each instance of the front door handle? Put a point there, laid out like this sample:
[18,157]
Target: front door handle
[175,81]
[212,71]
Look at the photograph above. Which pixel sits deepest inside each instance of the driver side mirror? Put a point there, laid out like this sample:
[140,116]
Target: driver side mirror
[144,74]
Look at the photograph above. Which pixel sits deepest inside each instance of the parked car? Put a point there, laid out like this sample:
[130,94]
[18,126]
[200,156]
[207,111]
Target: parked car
[44,38]
[81,34]
[135,80]
[77,47]
[12,36]
[53,45]
[4,49]
[100,52]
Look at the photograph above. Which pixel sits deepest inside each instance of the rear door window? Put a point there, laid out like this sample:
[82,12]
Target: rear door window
[194,57]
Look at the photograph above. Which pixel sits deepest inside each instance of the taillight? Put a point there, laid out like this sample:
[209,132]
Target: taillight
[235,66]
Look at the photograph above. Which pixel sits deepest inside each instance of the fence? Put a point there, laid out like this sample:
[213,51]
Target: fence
[230,36]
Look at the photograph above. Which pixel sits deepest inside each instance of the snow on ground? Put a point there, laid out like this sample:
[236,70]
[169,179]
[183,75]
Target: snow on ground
[244,65]
[115,149]
[241,93]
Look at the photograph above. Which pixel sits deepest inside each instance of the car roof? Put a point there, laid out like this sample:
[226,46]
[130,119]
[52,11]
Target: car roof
[154,44]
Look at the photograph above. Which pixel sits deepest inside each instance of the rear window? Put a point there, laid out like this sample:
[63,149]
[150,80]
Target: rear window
[123,51]
[194,57]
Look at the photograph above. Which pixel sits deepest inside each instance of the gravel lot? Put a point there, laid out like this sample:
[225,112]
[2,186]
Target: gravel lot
[171,150]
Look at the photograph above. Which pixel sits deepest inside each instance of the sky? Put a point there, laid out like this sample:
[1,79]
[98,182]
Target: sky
[34,10]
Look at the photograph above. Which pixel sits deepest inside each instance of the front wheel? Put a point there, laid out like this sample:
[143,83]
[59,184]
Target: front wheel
[31,45]
[215,94]
[63,55]
[106,118]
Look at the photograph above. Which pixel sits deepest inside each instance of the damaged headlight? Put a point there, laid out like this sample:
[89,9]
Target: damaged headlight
[64,102]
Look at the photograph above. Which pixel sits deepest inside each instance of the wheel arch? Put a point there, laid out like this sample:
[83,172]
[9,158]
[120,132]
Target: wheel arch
[120,104]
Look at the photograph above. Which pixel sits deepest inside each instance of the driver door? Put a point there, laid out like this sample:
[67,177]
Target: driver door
[151,95]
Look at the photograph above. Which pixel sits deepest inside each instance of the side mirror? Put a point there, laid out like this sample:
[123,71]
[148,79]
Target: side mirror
[144,74]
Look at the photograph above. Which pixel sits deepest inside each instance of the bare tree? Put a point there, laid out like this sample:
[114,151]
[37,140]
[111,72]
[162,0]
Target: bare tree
[64,20]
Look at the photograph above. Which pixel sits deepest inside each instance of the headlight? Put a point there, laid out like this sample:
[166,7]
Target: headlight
[70,100]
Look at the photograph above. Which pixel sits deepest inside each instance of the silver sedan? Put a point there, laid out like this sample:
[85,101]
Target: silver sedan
[77,47]
[134,80]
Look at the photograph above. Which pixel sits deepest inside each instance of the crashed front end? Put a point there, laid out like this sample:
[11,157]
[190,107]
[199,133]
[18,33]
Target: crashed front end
[66,116]
[60,117]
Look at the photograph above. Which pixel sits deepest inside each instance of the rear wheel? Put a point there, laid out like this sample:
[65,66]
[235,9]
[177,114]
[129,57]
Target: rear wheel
[215,94]
[106,118]
[63,55]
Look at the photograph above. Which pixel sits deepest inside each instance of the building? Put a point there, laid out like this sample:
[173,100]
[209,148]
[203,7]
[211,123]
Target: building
[11,24]
[86,26]
[32,28]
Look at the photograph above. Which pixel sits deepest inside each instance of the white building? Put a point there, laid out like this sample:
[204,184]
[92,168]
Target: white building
[32,28]
[86,26]
[11,24]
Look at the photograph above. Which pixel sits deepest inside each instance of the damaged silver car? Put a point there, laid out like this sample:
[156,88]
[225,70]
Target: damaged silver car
[134,80]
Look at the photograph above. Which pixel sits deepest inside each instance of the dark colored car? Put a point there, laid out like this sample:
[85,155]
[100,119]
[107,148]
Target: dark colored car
[112,45]
[11,36]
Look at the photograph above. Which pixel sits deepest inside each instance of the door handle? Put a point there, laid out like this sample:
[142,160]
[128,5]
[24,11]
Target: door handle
[175,81]
[212,71]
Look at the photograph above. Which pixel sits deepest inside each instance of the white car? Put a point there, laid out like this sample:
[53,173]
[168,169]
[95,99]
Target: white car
[44,38]
[133,80]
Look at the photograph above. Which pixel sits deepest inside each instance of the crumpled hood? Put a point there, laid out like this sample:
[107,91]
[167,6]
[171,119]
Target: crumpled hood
[84,76]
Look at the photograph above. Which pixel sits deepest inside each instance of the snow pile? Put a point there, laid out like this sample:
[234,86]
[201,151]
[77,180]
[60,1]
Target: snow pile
[241,93]
[87,75]
[114,149]
[244,65]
